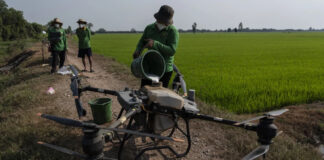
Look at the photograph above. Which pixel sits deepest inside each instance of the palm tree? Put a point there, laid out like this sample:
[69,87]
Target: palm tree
[240,27]
[194,27]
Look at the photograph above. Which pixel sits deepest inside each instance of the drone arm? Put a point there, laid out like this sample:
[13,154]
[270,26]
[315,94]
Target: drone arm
[123,119]
[105,91]
[250,127]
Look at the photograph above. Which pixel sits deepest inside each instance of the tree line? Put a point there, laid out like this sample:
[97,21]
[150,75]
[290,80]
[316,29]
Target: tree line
[13,25]
[240,28]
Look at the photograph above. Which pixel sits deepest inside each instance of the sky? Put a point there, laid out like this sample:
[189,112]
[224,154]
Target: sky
[117,15]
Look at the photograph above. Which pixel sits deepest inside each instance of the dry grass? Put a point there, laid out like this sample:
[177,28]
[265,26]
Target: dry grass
[22,95]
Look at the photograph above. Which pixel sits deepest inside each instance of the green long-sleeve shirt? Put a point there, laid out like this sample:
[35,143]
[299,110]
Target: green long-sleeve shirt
[57,39]
[165,41]
[84,37]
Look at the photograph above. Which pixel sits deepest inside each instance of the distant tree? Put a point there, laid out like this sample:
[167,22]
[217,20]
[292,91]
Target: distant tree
[35,30]
[101,30]
[133,30]
[310,29]
[13,24]
[229,30]
[0,26]
[194,27]
[90,25]
[69,30]
[3,6]
[37,27]
[240,27]
[5,35]
[235,30]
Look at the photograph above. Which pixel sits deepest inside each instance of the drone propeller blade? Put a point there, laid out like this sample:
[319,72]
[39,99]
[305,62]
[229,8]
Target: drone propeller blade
[278,133]
[249,120]
[80,110]
[143,134]
[276,112]
[74,87]
[62,149]
[74,70]
[261,150]
[65,121]
[271,113]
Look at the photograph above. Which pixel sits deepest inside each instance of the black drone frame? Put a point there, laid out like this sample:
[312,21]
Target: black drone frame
[95,136]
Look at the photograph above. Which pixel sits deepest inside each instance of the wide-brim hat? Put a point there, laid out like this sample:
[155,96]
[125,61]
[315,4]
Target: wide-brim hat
[81,21]
[57,21]
[165,14]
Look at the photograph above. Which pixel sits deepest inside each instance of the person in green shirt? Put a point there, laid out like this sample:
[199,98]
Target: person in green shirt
[84,35]
[57,43]
[163,37]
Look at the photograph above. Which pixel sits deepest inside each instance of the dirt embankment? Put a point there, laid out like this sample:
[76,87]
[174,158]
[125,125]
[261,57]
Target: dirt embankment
[302,126]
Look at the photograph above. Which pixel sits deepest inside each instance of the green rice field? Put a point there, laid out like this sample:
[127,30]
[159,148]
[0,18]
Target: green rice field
[240,72]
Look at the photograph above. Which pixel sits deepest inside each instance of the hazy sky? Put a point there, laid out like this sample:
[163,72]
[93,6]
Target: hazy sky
[209,14]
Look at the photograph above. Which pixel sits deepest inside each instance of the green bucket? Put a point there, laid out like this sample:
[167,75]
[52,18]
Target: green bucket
[101,110]
[151,63]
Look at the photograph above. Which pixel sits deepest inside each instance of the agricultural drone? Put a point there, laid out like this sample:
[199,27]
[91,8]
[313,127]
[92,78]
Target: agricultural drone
[149,112]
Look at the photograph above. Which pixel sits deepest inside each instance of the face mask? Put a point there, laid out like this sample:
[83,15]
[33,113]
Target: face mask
[57,25]
[82,25]
[160,26]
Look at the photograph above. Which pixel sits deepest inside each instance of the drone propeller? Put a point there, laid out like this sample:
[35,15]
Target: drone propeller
[62,149]
[266,132]
[269,114]
[75,123]
[261,150]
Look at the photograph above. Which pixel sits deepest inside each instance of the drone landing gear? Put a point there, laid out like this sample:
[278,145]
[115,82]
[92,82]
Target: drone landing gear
[185,133]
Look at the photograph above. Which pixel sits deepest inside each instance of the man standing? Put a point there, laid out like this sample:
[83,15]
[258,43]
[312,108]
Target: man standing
[163,37]
[84,34]
[57,40]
